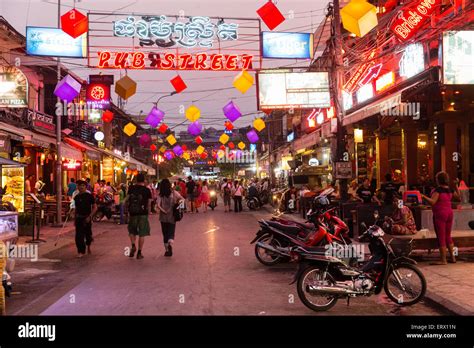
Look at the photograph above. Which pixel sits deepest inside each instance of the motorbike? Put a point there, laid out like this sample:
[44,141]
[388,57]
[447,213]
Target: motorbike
[105,205]
[323,278]
[276,237]
[213,199]
[252,203]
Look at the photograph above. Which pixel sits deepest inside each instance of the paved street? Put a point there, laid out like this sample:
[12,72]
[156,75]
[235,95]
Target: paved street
[213,272]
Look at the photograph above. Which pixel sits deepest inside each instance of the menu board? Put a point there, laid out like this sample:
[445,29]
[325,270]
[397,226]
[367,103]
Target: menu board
[361,161]
[14,179]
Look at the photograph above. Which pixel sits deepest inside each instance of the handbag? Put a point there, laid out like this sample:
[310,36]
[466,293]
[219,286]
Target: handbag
[177,211]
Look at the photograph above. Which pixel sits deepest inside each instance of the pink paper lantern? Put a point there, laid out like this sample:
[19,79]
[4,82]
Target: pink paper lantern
[178,150]
[252,136]
[231,111]
[145,140]
[195,128]
[67,89]
[154,117]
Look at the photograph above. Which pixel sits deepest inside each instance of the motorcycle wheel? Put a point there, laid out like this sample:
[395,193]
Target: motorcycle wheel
[261,253]
[98,216]
[312,276]
[410,277]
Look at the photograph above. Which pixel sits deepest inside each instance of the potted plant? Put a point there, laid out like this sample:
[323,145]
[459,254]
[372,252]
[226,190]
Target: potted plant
[25,224]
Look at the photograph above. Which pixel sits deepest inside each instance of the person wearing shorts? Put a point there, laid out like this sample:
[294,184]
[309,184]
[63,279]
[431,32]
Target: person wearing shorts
[191,194]
[138,224]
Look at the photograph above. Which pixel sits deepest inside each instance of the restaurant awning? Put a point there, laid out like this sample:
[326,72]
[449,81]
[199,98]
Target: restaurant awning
[69,152]
[91,152]
[134,163]
[15,132]
[5,162]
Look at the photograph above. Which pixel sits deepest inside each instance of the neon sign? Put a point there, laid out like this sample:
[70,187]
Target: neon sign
[385,81]
[409,20]
[157,30]
[364,93]
[372,73]
[412,61]
[172,61]
[72,165]
[312,118]
[351,84]
[98,94]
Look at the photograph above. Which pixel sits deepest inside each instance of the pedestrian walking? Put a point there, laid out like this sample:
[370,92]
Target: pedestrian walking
[190,188]
[226,190]
[443,216]
[204,197]
[237,193]
[71,187]
[85,208]
[168,200]
[138,201]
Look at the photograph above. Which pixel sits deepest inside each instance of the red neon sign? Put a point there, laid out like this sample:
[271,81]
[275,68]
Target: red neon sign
[72,165]
[351,85]
[371,74]
[172,61]
[409,20]
[312,118]
[385,81]
[98,93]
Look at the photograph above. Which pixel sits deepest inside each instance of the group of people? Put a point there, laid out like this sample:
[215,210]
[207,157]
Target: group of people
[197,193]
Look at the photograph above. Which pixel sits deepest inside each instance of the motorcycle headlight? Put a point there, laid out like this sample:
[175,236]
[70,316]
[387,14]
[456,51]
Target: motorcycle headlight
[213,193]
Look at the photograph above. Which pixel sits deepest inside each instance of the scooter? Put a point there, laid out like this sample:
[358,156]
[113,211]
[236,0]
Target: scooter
[105,202]
[252,203]
[213,199]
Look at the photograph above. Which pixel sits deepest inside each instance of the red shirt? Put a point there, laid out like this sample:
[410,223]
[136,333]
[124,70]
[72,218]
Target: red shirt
[182,185]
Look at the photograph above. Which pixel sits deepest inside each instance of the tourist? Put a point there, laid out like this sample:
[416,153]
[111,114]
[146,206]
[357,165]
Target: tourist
[85,208]
[204,196]
[365,194]
[389,189]
[28,184]
[352,191]
[237,193]
[226,190]
[190,194]
[71,187]
[40,187]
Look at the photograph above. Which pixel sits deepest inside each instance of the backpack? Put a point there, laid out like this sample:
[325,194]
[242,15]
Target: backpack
[135,206]
[227,191]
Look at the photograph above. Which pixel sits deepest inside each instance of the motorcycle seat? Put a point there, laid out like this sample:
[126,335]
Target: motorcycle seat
[284,228]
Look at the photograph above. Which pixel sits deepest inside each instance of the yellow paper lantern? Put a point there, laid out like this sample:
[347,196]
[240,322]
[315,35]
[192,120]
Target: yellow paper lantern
[243,81]
[162,149]
[130,129]
[220,153]
[171,139]
[259,124]
[200,149]
[241,145]
[186,156]
[193,113]
[125,87]
[224,138]
[359,17]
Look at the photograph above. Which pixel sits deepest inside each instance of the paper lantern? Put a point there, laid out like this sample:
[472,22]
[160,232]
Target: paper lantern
[74,23]
[243,81]
[130,129]
[231,145]
[193,113]
[270,15]
[224,138]
[171,139]
[67,89]
[359,17]
[195,128]
[129,172]
[198,140]
[154,117]
[107,116]
[228,125]
[232,111]
[178,84]
[178,150]
[203,155]
[259,124]
[162,149]
[163,128]
[145,140]
[252,136]
[200,149]
[186,156]
[153,147]
[241,145]
[220,153]
[125,87]
[169,155]
[185,148]
[222,147]
[99,136]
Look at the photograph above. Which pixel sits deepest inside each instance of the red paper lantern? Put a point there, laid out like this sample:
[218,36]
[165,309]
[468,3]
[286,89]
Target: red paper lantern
[153,147]
[222,147]
[228,125]
[184,147]
[178,84]
[74,23]
[107,116]
[270,15]
[135,172]
[163,128]
[204,155]
[198,140]
[231,145]
[129,172]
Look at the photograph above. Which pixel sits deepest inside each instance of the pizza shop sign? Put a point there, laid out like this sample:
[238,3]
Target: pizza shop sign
[410,19]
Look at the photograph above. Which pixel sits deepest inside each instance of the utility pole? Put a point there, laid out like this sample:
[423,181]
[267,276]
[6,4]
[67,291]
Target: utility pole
[59,191]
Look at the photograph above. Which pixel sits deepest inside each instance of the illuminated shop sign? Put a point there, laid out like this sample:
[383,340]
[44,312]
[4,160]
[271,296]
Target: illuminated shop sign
[53,42]
[157,30]
[458,57]
[72,165]
[385,81]
[13,88]
[287,45]
[412,61]
[172,61]
[365,93]
[371,74]
[352,84]
[98,95]
[346,100]
[411,18]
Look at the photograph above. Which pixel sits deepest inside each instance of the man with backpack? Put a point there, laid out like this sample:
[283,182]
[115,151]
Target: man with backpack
[226,190]
[138,201]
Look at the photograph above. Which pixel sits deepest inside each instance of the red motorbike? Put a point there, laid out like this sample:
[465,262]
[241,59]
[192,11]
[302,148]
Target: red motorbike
[276,237]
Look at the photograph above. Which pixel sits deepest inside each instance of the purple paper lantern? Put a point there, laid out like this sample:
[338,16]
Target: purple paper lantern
[178,150]
[67,89]
[195,128]
[168,155]
[154,117]
[231,111]
[252,136]
[145,140]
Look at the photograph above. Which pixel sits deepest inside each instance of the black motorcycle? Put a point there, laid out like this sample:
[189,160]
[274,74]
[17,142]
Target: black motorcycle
[213,199]
[323,277]
[253,203]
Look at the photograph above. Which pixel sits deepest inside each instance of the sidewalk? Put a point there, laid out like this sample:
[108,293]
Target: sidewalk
[450,286]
